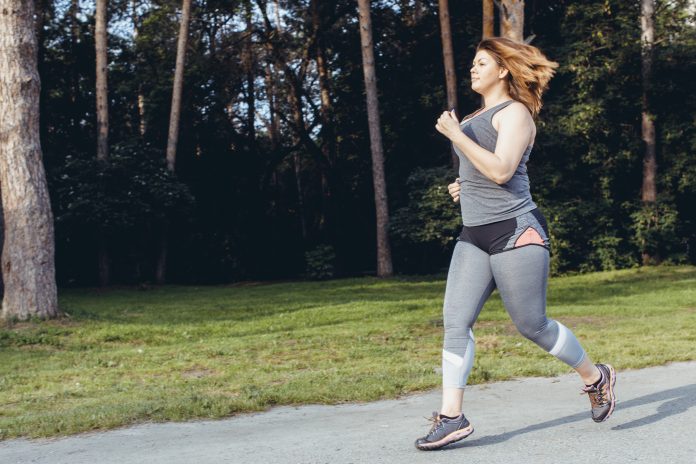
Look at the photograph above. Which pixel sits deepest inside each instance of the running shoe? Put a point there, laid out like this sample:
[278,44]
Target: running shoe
[601,394]
[444,431]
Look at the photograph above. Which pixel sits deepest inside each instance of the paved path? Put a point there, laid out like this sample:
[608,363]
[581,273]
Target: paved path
[537,421]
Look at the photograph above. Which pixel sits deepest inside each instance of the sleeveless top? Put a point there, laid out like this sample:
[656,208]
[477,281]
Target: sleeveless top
[482,200]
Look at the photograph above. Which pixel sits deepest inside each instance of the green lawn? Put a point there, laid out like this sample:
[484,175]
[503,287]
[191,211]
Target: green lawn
[174,353]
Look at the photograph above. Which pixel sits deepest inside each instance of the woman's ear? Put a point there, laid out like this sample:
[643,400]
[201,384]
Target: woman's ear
[503,73]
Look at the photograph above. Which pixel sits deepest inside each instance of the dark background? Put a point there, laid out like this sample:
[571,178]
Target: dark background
[233,207]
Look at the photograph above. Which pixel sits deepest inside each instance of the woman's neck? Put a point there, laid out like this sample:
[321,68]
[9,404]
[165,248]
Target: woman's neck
[495,98]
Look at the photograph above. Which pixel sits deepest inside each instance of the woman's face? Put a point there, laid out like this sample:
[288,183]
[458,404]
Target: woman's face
[485,72]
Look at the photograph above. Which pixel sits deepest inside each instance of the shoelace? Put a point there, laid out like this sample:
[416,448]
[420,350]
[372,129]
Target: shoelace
[597,395]
[437,422]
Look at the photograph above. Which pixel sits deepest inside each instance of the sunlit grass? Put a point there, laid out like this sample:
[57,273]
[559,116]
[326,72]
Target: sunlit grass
[176,353]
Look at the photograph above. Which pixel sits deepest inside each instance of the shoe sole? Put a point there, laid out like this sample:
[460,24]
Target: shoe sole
[612,374]
[453,437]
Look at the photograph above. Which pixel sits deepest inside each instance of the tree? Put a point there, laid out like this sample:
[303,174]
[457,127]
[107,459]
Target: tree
[28,267]
[178,83]
[160,273]
[448,56]
[142,125]
[511,19]
[649,190]
[100,42]
[384,261]
[488,19]
[328,137]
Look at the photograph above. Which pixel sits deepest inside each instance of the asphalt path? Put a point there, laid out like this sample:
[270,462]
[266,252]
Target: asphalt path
[533,420]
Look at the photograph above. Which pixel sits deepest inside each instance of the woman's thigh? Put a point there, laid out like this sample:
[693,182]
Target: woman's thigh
[469,284]
[521,276]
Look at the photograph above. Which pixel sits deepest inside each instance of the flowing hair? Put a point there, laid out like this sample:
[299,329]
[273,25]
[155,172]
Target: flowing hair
[529,70]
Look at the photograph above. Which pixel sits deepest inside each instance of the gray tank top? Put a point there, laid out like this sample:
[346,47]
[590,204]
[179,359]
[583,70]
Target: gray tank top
[482,200]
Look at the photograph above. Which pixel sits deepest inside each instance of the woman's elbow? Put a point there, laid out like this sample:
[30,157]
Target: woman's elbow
[502,178]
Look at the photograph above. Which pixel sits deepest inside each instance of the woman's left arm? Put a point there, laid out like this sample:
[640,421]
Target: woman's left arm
[515,127]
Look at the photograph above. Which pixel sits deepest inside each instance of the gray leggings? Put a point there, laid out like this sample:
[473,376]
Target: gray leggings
[520,274]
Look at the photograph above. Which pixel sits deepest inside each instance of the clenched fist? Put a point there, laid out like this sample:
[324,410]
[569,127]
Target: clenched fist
[454,189]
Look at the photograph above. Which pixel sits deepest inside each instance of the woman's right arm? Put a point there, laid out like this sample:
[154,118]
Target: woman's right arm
[454,189]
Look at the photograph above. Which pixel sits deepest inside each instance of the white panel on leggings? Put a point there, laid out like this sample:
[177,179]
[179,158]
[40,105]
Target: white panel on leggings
[469,357]
[561,341]
[452,358]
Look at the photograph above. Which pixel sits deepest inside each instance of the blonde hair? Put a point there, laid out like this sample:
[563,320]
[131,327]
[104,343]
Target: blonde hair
[529,71]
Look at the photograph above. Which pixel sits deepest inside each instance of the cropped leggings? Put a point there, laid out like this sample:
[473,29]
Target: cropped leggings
[512,256]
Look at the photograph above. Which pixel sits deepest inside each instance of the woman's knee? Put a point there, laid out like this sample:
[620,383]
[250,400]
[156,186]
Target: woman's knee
[532,330]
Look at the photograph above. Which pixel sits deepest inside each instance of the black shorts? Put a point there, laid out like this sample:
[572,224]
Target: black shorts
[509,234]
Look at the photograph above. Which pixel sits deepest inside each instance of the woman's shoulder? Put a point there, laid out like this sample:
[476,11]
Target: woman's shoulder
[515,108]
[514,112]
[514,115]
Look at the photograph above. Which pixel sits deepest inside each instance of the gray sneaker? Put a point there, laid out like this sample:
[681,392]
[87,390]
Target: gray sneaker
[444,431]
[602,397]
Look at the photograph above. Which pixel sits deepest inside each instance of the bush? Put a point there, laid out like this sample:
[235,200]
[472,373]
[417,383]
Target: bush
[320,262]
[656,231]
[424,231]
[126,200]
[585,236]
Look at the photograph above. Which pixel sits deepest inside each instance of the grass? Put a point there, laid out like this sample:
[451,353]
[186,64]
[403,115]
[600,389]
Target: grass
[175,353]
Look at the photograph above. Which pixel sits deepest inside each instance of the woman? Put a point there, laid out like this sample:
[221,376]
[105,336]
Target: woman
[504,241]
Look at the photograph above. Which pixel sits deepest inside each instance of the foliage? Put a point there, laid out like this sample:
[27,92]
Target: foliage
[429,222]
[128,198]
[655,227]
[320,262]
[133,189]
[428,217]
[312,184]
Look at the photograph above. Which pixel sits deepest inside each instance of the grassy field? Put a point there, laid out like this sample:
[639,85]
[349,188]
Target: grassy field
[173,353]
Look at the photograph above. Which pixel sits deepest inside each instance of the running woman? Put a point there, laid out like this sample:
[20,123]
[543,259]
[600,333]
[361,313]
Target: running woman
[504,242]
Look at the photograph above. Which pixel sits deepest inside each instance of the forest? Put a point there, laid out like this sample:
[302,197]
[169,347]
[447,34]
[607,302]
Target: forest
[268,172]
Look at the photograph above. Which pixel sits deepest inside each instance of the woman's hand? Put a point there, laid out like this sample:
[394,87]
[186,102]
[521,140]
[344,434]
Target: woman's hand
[454,189]
[448,124]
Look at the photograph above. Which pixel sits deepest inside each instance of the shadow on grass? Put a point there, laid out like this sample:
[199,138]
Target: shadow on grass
[681,399]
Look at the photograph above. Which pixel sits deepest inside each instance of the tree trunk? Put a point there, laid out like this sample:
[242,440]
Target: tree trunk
[450,74]
[28,254]
[418,11]
[295,99]
[649,189]
[100,42]
[511,19]
[293,80]
[328,138]
[172,139]
[74,71]
[279,26]
[271,88]
[384,261]
[161,268]
[274,123]
[488,19]
[102,96]
[142,127]
[178,82]
[297,164]
[248,63]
